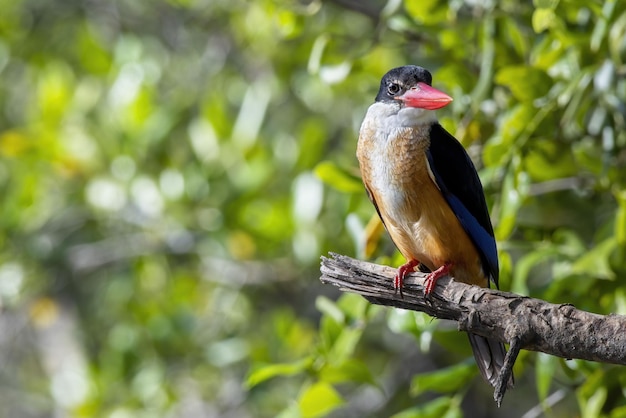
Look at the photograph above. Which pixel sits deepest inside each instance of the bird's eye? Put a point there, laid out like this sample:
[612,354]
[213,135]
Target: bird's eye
[393,89]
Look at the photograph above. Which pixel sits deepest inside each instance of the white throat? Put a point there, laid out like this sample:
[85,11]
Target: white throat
[387,117]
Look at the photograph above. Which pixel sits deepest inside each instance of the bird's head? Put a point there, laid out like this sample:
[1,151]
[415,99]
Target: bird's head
[411,87]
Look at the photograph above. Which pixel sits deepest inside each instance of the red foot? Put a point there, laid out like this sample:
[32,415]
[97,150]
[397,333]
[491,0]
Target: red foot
[429,283]
[403,270]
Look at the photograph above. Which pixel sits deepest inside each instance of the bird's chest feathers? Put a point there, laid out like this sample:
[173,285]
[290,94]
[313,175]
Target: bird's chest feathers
[398,167]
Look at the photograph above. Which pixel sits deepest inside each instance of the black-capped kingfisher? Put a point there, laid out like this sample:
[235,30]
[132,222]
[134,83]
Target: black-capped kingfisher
[428,194]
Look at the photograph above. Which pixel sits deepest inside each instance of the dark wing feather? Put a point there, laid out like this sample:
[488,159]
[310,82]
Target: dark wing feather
[373,200]
[458,180]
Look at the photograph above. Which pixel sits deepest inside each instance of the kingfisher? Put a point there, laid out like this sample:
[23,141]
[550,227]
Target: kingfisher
[427,193]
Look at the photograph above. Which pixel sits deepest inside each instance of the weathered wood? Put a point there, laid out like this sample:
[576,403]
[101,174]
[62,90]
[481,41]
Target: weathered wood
[520,321]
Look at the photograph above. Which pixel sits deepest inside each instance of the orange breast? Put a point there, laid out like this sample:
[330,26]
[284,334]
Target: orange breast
[427,230]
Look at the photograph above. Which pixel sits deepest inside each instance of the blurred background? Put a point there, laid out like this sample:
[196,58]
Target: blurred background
[171,172]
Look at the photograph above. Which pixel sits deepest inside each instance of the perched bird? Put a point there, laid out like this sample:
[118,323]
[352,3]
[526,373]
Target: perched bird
[426,191]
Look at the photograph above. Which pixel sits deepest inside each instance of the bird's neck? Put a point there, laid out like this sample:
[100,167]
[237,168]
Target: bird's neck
[387,117]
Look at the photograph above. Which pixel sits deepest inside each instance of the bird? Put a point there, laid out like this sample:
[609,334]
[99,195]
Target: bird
[428,194]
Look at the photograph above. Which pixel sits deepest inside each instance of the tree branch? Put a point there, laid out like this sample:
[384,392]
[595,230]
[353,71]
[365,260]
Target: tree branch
[520,321]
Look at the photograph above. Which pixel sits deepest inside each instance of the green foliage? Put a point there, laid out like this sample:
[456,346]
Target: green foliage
[450,379]
[171,172]
[440,407]
[338,179]
[263,373]
[318,400]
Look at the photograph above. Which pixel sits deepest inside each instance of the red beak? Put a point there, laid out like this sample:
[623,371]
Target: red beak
[425,97]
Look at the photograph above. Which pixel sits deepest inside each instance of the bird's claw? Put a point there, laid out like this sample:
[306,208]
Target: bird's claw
[403,270]
[431,279]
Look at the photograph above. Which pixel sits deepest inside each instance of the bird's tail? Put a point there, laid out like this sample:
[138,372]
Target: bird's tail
[489,355]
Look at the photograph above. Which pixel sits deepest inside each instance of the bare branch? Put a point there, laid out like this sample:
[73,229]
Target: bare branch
[520,321]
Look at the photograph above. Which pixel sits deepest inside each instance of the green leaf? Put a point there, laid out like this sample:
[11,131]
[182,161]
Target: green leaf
[340,335]
[543,19]
[421,11]
[513,193]
[506,269]
[547,160]
[525,265]
[595,262]
[601,28]
[401,320]
[263,373]
[337,178]
[330,330]
[350,370]
[318,400]
[442,407]
[415,323]
[445,380]
[544,373]
[592,394]
[526,83]
[619,412]
[620,218]
[546,4]
[353,306]
[345,343]
[517,38]
[593,405]
[330,308]
[496,152]
[516,122]
[292,411]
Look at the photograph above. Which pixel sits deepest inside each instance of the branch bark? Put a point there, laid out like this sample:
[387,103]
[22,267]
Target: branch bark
[520,321]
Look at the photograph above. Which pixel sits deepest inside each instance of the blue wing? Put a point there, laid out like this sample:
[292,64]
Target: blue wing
[458,180]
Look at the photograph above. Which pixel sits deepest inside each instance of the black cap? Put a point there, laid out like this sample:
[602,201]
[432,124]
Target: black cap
[400,79]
